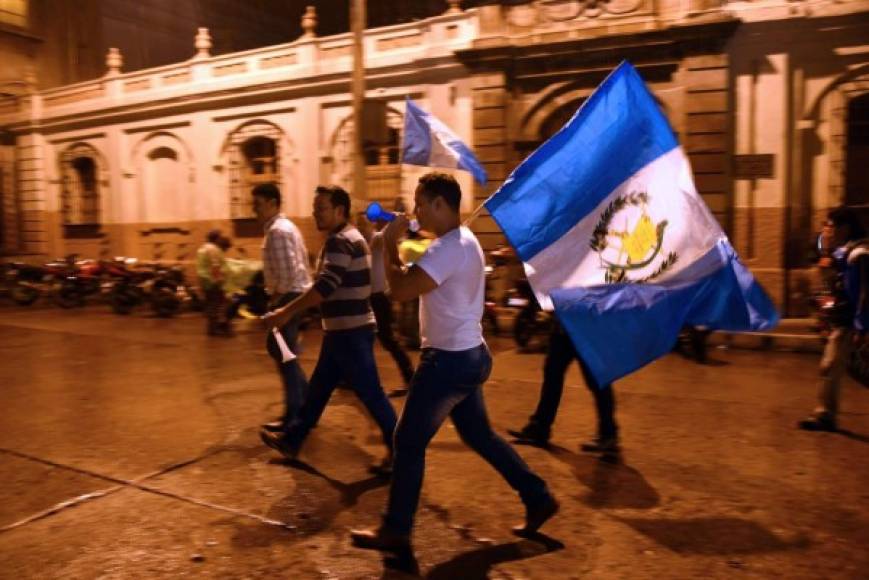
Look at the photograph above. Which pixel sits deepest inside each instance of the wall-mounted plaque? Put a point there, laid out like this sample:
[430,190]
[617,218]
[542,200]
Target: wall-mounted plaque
[753,166]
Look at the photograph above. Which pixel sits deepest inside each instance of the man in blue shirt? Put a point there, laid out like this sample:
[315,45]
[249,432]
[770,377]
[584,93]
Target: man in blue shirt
[849,316]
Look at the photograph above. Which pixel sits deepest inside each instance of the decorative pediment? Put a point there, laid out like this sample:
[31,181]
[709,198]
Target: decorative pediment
[545,13]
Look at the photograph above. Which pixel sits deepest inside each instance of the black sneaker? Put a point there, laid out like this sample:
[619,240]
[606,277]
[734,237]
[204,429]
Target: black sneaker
[536,516]
[531,434]
[601,445]
[380,539]
[276,426]
[279,442]
[382,469]
[818,424]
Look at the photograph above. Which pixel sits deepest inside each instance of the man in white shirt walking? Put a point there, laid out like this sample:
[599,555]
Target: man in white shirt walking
[449,279]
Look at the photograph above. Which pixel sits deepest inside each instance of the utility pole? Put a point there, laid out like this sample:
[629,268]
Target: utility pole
[357,26]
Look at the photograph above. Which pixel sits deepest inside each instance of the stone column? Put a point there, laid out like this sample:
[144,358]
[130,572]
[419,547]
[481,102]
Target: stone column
[707,131]
[489,94]
[9,241]
[33,219]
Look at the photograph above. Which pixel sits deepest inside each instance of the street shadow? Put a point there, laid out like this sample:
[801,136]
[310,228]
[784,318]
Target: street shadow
[349,492]
[473,565]
[311,509]
[611,483]
[855,436]
[713,536]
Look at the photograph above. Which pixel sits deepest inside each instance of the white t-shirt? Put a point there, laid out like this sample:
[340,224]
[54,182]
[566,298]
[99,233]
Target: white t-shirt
[449,315]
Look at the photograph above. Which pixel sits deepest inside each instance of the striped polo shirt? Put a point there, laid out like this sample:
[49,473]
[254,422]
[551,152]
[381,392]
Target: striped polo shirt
[344,280]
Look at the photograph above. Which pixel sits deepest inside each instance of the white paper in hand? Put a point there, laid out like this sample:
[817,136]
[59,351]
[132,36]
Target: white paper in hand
[286,354]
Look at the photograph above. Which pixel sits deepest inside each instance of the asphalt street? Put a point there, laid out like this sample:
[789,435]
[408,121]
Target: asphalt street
[129,449]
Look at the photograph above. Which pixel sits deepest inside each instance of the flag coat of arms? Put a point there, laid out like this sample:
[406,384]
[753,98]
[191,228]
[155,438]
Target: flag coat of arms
[430,143]
[615,238]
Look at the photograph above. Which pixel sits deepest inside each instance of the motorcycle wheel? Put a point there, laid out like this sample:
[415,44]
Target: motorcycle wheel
[523,330]
[164,302]
[123,301]
[24,295]
[69,297]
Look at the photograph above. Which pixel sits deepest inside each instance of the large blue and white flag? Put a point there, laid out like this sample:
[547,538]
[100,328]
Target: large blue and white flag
[614,236]
[428,142]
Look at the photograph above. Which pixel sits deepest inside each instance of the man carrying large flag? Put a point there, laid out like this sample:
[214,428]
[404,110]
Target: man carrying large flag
[615,238]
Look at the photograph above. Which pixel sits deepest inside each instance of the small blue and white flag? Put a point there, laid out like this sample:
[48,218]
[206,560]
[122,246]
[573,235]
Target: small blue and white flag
[428,142]
[615,238]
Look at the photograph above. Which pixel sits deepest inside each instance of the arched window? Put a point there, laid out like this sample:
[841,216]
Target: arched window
[383,171]
[254,156]
[261,162]
[80,194]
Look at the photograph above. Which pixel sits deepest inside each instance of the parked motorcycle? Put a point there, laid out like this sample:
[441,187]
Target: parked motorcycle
[81,279]
[128,287]
[169,291]
[21,283]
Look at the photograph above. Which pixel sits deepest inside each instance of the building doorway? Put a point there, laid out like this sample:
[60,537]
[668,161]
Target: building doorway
[857,157]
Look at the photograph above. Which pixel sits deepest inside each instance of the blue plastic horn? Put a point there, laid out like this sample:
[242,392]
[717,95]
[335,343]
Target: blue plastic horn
[375,212]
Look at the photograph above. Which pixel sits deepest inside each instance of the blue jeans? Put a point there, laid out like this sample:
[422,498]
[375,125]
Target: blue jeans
[450,383]
[347,355]
[291,373]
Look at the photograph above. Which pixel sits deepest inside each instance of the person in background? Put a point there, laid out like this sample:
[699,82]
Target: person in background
[210,262]
[845,266]
[559,355]
[382,307]
[410,249]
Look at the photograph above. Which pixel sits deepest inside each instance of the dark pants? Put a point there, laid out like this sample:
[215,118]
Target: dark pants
[291,373]
[345,355]
[214,300]
[383,313]
[561,353]
[450,383]
[409,323]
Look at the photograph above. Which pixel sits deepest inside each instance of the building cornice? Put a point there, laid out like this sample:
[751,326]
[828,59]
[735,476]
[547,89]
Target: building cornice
[528,51]
[431,70]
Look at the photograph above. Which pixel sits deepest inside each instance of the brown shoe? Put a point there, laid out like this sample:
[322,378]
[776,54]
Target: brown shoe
[380,539]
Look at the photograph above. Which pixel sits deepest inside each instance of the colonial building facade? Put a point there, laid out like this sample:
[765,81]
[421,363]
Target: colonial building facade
[769,98]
